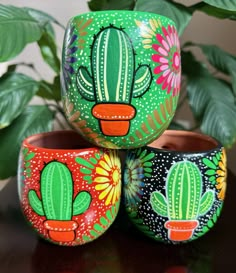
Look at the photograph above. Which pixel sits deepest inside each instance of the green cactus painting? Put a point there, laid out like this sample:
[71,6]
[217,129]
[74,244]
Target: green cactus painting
[184,201]
[57,203]
[114,80]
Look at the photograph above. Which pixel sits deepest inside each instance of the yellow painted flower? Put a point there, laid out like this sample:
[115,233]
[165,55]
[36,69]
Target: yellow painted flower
[222,176]
[108,177]
[148,31]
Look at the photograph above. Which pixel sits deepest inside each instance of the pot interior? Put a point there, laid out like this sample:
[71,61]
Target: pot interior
[65,140]
[184,141]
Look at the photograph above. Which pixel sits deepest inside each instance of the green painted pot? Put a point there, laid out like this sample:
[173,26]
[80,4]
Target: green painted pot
[174,188]
[120,76]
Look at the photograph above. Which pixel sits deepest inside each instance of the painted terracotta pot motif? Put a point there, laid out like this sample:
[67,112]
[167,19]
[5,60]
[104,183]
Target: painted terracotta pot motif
[69,191]
[174,188]
[120,76]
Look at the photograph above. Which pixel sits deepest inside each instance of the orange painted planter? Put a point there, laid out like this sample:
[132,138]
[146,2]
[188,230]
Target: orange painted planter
[114,119]
[181,230]
[61,231]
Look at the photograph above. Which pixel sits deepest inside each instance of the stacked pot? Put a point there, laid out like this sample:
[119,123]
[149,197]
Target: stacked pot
[121,74]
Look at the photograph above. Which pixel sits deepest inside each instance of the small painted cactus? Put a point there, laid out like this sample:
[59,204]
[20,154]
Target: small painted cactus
[184,201]
[114,77]
[114,80]
[56,203]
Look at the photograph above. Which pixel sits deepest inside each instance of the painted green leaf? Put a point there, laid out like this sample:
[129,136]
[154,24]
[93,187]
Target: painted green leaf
[104,221]
[179,13]
[84,162]
[211,101]
[13,22]
[98,228]
[109,215]
[35,202]
[34,119]
[93,160]
[159,204]
[25,151]
[82,202]
[86,238]
[223,4]
[85,171]
[93,233]
[210,172]
[16,92]
[27,164]
[29,156]
[209,164]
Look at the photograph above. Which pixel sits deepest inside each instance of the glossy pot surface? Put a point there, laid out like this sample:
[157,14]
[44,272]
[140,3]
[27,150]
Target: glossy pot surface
[174,188]
[120,76]
[68,189]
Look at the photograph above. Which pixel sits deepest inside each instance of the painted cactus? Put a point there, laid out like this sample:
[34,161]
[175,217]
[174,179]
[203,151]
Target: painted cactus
[184,201]
[56,203]
[114,80]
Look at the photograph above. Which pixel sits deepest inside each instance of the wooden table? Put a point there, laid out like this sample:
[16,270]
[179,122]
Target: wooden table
[122,249]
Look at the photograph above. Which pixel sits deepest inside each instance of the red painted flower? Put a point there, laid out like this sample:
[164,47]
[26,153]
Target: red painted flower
[168,59]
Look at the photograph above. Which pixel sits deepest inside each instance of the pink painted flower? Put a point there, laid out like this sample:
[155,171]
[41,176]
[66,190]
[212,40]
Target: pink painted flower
[168,59]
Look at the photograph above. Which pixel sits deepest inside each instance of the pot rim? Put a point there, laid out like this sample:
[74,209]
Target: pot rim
[83,144]
[130,12]
[171,146]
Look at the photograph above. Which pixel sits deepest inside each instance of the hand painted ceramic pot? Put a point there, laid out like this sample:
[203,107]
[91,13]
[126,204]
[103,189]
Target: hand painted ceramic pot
[120,76]
[69,190]
[174,188]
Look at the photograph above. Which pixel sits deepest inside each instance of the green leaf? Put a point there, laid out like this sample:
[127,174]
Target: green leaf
[176,125]
[221,60]
[17,29]
[214,11]
[222,4]
[43,18]
[34,119]
[48,50]
[97,5]
[16,90]
[50,91]
[211,101]
[179,13]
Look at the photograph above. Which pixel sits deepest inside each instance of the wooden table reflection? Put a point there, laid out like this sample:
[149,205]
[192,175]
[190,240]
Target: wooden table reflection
[122,249]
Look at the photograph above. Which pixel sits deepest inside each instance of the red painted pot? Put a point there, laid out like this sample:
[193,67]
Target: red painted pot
[69,190]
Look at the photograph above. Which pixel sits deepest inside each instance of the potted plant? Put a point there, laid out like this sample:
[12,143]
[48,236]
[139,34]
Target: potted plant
[18,118]
[209,93]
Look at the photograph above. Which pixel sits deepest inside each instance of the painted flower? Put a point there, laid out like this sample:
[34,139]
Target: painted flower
[148,30]
[222,176]
[68,56]
[217,172]
[168,59]
[108,178]
[138,165]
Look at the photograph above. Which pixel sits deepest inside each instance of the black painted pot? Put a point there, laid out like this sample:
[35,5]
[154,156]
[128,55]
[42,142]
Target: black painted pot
[174,188]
